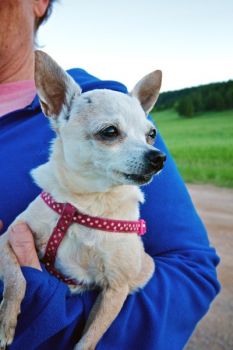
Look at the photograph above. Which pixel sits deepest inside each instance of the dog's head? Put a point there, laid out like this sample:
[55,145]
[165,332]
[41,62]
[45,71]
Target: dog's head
[106,137]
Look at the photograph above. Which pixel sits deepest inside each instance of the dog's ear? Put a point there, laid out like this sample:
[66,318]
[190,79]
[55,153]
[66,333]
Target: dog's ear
[147,90]
[55,87]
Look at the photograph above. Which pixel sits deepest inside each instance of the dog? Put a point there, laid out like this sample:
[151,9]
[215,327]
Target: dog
[102,153]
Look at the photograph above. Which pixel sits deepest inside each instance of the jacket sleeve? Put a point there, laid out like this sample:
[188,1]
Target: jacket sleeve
[163,315]
[48,313]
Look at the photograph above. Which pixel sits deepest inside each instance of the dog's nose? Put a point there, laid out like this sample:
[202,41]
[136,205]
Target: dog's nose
[155,159]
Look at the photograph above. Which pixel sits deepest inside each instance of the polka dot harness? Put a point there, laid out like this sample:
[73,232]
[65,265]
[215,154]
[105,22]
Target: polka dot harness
[69,215]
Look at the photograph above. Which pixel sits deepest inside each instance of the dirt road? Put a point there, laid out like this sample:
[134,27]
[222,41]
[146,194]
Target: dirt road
[215,205]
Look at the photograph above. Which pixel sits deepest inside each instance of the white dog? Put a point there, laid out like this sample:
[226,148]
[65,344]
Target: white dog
[85,224]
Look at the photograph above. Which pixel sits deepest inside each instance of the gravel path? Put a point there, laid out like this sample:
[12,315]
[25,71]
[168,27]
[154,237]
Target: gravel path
[215,205]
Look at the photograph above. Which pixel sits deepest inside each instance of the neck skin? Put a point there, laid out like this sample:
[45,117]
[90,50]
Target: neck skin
[16,41]
[18,66]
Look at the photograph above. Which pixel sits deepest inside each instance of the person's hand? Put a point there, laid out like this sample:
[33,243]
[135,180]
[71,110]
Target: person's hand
[22,243]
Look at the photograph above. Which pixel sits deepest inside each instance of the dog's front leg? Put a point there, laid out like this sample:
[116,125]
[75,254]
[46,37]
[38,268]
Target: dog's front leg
[104,311]
[14,291]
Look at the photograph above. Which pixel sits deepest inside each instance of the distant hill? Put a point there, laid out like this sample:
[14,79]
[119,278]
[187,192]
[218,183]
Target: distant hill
[191,101]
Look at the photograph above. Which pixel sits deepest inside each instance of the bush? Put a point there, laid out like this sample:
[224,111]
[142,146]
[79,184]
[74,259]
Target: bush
[185,107]
[190,101]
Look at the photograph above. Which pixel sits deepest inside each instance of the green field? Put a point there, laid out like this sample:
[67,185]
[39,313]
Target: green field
[202,146]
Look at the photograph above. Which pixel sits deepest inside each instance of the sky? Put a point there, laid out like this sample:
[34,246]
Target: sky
[190,41]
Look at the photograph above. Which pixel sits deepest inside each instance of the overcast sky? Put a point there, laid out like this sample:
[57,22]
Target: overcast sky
[191,41]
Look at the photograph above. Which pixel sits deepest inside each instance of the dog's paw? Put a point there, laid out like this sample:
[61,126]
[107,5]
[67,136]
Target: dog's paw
[7,332]
[7,326]
[82,346]
[79,347]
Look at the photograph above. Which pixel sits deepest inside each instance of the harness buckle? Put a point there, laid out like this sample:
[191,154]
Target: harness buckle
[142,227]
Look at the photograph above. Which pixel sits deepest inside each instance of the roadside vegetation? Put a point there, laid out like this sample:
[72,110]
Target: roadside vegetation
[202,146]
[192,101]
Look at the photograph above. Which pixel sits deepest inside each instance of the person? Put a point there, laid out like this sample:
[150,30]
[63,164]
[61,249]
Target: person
[161,316]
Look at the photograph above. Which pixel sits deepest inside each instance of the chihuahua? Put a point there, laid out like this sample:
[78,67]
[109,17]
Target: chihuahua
[86,223]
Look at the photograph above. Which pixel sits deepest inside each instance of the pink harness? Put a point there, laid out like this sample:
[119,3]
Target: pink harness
[69,215]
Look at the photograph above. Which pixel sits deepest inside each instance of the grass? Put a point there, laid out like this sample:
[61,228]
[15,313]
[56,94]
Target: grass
[202,146]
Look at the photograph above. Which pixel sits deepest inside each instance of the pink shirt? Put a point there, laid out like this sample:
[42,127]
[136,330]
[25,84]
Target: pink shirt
[16,95]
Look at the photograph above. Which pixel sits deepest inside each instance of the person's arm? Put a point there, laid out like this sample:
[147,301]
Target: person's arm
[48,307]
[163,315]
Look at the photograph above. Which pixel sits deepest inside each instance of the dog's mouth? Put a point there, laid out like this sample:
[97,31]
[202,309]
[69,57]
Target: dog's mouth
[146,177]
[139,179]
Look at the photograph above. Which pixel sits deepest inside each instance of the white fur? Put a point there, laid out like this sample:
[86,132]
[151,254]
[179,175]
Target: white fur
[88,174]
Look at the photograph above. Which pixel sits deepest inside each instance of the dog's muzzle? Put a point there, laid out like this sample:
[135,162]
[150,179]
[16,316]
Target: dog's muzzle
[153,162]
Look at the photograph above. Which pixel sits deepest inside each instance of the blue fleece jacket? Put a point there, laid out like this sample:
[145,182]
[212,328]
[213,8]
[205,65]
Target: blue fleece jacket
[163,315]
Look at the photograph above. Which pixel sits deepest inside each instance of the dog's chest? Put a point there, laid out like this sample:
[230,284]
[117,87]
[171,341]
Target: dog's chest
[90,256]
[99,258]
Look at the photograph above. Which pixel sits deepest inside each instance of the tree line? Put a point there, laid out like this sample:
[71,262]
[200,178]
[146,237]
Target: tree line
[191,101]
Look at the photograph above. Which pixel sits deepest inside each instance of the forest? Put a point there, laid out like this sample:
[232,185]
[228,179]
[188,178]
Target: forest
[190,102]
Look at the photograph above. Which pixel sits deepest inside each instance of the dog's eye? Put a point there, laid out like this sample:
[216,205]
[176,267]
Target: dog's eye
[109,133]
[150,137]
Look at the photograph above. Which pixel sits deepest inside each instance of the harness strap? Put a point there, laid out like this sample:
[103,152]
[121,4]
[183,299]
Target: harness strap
[69,215]
[59,232]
